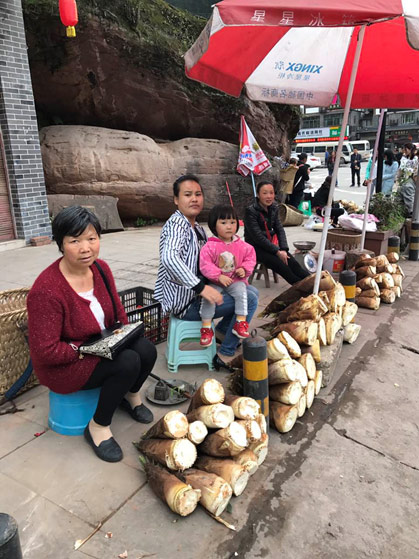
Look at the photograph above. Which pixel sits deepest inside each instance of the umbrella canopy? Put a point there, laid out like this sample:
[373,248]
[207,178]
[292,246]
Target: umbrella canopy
[301,53]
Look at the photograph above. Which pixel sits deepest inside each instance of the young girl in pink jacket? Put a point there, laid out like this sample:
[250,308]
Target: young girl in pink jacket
[227,262]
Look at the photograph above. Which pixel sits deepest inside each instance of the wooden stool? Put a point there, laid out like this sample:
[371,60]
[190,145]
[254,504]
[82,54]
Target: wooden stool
[262,270]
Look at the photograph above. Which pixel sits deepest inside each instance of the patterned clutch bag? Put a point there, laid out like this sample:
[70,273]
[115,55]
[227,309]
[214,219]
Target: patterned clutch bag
[112,340]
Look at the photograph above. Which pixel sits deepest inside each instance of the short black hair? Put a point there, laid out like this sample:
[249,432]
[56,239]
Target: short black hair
[221,211]
[263,183]
[180,180]
[303,156]
[71,222]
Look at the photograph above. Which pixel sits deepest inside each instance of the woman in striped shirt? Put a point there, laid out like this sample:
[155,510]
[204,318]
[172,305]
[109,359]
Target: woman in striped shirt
[178,286]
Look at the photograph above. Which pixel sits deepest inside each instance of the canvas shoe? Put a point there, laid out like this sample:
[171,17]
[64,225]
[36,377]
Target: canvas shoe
[240,329]
[206,337]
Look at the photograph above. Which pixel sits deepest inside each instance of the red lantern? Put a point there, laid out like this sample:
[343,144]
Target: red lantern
[68,15]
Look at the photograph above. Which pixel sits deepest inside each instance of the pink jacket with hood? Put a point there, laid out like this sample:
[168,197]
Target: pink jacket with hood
[219,258]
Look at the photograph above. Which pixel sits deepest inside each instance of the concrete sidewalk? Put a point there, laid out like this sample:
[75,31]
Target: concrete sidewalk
[342,484]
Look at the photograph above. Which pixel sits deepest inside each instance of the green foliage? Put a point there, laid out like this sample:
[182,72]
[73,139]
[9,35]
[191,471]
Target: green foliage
[141,222]
[390,210]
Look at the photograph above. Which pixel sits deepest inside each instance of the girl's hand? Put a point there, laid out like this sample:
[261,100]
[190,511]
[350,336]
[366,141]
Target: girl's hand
[240,272]
[212,295]
[225,280]
[282,255]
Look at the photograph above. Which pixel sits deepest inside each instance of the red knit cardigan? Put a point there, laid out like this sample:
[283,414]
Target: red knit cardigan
[58,316]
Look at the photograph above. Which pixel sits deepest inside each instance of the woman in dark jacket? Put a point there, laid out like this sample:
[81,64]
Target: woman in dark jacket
[320,201]
[263,230]
[300,179]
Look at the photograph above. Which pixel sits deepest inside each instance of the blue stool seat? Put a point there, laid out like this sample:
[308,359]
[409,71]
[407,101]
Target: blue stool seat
[186,330]
[70,413]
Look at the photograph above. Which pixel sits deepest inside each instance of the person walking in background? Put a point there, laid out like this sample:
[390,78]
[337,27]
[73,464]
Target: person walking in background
[287,175]
[356,167]
[331,163]
[390,168]
[407,176]
[320,201]
[302,175]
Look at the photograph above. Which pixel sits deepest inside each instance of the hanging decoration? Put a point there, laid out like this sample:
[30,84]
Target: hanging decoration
[68,15]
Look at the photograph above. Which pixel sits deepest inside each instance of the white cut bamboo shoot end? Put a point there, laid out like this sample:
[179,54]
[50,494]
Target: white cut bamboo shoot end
[262,455]
[301,406]
[222,499]
[183,455]
[246,408]
[185,501]
[176,423]
[238,434]
[221,416]
[239,481]
[310,393]
[197,432]
[261,419]
[212,391]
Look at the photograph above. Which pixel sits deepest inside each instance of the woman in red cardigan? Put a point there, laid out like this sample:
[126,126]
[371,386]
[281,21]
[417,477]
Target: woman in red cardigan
[68,304]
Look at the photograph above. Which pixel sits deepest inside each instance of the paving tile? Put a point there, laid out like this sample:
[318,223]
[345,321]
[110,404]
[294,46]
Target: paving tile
[45,530]
[16,431]
[35,408]
[67,472]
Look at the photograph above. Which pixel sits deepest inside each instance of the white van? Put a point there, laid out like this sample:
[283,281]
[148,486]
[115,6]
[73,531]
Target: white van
[319,149]
[363,147]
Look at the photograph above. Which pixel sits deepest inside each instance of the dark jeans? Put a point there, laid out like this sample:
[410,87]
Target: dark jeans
[356,173]
[295,198]
[291,272]
[126,373]
[334,213]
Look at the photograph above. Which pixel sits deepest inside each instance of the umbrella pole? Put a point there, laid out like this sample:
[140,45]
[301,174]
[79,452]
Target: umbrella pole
[253,183]
[369,182]
[337,160]
[229,194]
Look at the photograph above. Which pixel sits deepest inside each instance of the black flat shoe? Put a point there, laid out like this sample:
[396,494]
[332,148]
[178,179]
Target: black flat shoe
[140,413]
[220,364]
[109,450]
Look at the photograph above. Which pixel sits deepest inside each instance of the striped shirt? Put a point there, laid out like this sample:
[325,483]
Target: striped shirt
[178,270]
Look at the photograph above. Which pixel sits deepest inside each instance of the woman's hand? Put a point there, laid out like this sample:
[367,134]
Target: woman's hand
[282,255]
[212,295]
[225,280]
[240,272]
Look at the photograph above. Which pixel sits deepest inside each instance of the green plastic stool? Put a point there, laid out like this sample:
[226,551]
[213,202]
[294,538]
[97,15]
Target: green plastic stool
[305,207]
[186,330]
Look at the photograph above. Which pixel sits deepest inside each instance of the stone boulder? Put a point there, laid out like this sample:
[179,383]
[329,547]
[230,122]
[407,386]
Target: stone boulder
[84,160]
[105,208]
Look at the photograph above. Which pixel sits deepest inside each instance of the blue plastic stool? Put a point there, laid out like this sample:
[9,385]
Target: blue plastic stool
[70,413]
[186,330]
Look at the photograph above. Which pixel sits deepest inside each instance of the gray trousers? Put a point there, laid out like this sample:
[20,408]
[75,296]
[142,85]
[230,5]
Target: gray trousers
[237,290]
[407,190]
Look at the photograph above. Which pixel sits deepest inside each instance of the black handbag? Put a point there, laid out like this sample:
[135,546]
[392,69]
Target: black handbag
[112,340]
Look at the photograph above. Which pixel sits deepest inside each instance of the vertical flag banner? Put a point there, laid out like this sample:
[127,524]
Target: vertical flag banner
[251,156]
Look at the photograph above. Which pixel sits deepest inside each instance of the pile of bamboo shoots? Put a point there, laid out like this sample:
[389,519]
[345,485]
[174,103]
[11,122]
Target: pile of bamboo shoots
[379,280]
[222,436]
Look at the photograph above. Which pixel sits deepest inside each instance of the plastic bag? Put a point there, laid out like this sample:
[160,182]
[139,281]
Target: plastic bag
[312,220]
[356,224]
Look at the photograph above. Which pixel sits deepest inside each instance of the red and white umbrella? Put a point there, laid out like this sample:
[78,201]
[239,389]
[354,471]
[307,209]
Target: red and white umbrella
[304,52]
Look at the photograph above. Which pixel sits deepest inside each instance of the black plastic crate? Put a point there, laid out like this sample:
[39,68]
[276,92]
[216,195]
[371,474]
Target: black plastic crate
[139,304]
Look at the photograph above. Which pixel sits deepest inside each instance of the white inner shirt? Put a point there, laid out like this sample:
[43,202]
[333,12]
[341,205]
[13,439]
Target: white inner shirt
[95,307]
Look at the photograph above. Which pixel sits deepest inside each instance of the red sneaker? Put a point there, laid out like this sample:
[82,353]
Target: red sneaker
[206,336]
[240,329]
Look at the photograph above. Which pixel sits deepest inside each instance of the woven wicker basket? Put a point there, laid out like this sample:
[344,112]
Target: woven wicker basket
[288,215]
[14,351]
[343,239]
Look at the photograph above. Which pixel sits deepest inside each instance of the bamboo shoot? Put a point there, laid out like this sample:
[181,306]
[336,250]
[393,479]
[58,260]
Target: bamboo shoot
[399,271]
[180,497]
[215,416]
[397,280]
[351,333]
[337,297]
[369,283]
[397,291]
[248,460]
[234,474]
[366,271]
[349,311]
[253,430]
[387,281]
[307,361]
[301,406]
[393,257]
[333,324]
[369,293]
[210,392]
[318,382]
[260,448]
[283,417]
[388,296]
[215,491]
[276,350]
[173,425]
[286,393]
[372,303]
[282,371]
[174,454]
[303,332]
[292,346]
[314,349]
[243,407]
[381,260]
[197,432]
[309,393]
[365,260]
[225,442]
[321,336]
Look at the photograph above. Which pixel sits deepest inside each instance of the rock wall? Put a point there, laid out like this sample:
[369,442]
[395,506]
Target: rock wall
[87,160]
[125,70]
